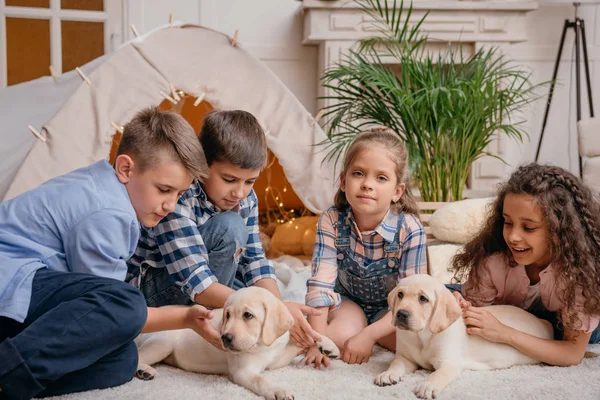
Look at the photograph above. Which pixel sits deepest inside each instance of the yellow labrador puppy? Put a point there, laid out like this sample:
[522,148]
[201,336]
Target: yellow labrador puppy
[254,327]
[431,334]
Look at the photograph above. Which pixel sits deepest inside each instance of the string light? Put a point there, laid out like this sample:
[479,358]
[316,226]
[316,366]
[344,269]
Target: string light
[272,195]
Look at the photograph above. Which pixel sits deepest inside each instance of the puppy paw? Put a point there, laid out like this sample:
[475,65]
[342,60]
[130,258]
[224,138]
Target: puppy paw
[145,372]
[281,395]
[327,347]
[427,390]
[388,378]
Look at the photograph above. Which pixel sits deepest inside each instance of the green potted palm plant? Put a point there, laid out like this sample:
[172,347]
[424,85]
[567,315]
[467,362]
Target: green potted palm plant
[447,108]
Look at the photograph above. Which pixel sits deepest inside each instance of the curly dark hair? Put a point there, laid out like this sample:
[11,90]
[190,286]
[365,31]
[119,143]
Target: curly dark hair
[572,213]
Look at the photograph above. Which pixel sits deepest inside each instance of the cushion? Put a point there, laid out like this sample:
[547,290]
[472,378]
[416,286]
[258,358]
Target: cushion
[589,140]
[295,238]
[440,261]
[458,221]
[591,173]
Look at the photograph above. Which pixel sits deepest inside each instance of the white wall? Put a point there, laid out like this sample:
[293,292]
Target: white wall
[272,31]
[539,53]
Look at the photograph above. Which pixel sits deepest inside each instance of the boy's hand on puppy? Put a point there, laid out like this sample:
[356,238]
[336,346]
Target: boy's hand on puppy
[357,349]
[464,304]
[301,332]
[198,318]
[315,357]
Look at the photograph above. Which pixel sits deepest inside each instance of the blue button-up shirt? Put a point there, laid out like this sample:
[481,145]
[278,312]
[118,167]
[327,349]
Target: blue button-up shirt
[176,243]
[79,222]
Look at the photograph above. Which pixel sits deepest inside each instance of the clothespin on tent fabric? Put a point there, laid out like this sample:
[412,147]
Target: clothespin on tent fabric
[36,133]
[118,127]
[199,99]
[235,38]
[317,118]
[166,96]
[82,75]
[52,73]
[135,32]
[174,92]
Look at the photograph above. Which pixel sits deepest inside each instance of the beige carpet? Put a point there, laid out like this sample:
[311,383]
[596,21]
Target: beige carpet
[343,381]
[349,382]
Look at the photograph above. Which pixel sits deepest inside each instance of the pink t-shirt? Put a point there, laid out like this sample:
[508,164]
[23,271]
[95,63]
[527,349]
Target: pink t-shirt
[501,284]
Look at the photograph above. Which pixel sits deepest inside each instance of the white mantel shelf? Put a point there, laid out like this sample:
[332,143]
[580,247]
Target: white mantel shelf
[337,26]
[448,20]
[498,5]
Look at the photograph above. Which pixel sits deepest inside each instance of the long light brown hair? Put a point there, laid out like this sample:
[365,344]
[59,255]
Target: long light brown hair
[398,153]
[572,214]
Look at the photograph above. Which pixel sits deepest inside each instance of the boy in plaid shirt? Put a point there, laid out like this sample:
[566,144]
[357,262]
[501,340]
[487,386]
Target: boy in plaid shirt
[210,245]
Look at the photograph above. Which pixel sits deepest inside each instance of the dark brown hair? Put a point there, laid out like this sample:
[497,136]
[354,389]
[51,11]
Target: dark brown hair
[234,136]
[572,214]
[393,144]
[152,133]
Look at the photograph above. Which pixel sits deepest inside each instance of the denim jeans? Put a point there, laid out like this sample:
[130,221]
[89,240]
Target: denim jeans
[224,235]
[537,310]
[78,335]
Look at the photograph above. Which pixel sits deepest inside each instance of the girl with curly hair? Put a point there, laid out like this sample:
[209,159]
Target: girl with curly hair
[539,250]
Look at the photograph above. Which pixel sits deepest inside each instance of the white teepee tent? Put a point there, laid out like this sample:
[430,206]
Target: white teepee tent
[75,115]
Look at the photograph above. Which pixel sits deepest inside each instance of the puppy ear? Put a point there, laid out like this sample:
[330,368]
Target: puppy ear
[221,325]
[393,298]
[445,312]
[278,320]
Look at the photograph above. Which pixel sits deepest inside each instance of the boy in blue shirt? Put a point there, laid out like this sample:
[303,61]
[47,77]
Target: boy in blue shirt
[67,319]
[210,244]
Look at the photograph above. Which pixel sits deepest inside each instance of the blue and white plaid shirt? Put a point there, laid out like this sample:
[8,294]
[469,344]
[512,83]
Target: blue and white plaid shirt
[176,243]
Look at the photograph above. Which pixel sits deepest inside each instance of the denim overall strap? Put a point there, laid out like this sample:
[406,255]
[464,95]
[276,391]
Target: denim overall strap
[392,249]
[344,261]
[342,239]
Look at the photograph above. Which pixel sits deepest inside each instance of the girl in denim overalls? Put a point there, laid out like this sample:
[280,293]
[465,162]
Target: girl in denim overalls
[369,240]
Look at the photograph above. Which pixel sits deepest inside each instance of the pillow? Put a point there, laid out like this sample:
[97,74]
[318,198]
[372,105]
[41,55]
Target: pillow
[440,261]
[458,221]
[296,238]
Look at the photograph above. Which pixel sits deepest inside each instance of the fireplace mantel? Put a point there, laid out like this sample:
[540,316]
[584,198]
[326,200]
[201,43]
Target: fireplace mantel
[337,26]
[448,20]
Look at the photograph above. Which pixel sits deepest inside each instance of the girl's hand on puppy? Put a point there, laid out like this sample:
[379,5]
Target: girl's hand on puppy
[315,357]
[357,349]
[464,304]
[198,318]
[301,332]
[482,323]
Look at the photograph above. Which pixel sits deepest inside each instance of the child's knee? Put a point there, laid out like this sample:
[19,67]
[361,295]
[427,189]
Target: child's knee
[234,227]
[229,227]
[340,333]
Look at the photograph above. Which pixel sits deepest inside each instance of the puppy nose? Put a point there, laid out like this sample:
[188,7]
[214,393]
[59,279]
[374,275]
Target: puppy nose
[227,338]
[402,315]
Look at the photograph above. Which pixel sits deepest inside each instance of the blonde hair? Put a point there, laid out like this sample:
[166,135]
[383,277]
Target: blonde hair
[153,132]
[399,154]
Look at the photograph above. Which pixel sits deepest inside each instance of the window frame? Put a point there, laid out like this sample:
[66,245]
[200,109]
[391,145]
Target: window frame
[112,17]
